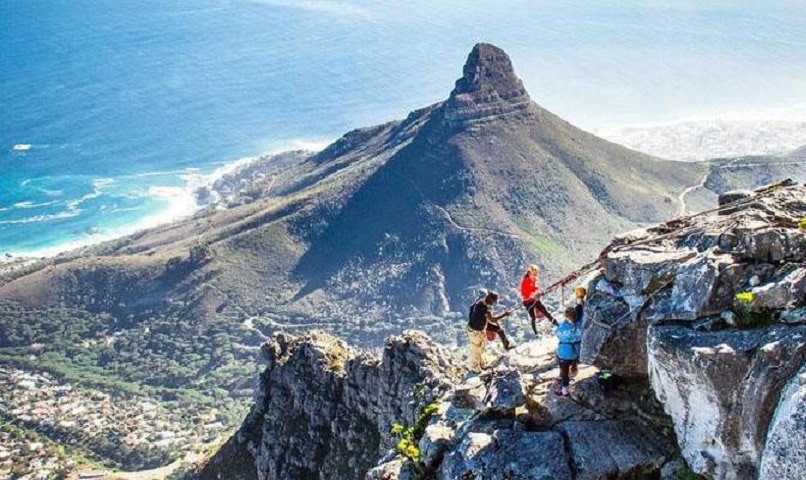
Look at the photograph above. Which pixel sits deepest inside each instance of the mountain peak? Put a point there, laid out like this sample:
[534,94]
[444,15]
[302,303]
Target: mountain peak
[488,87]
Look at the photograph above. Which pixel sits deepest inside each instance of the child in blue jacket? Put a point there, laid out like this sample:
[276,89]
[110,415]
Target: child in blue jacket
[569,335]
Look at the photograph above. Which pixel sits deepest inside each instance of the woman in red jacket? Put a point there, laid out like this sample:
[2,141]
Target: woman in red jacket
[530,292]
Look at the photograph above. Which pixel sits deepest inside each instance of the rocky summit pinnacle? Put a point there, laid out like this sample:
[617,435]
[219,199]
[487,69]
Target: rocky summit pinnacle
[488,87]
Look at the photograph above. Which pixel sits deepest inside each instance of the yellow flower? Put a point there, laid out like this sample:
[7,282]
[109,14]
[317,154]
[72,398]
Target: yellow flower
[396,428]
[745,297]
[802,223]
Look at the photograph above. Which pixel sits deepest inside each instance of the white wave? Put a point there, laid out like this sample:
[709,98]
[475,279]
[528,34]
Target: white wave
[22,147]
[51,193]
[102,182]
[74,204]
[29,204]
[42,218]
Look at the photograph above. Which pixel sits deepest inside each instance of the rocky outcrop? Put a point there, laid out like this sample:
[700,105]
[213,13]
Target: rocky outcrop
[323,409]
[722,388]
[710,307]
[531,433]
[488,88]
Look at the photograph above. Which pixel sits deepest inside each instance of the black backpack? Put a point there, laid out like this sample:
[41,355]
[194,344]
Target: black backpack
[477,319]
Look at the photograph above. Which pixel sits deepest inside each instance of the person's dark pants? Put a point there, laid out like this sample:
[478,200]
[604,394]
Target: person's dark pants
[536,305]
[565,368]
[500,331]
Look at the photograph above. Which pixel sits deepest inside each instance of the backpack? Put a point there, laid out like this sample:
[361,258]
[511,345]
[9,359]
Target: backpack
[473,322]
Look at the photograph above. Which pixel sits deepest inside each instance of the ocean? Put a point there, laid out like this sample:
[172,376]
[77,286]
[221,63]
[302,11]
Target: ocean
[113,111]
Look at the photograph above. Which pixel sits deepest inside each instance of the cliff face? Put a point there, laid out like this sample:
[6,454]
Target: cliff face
[323,409]
[712,309]
[703,319]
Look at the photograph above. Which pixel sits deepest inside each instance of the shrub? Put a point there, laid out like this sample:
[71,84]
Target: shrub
[409,437]
[684,473]
[746,316]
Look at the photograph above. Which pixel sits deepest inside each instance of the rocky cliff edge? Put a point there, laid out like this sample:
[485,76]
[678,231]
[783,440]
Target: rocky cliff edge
[703,319]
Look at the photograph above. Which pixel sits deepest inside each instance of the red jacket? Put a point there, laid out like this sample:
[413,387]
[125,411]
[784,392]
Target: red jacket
[529,287]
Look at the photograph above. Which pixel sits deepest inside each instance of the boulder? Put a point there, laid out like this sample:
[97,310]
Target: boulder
[797,315]
[507,454]
[470,394]
[644,271]
[784,455]
[721,388]
[615,449]
[731,196]
[695,286]
[762,243]
[784,291]
[397,469]
[505,393]
[611,330]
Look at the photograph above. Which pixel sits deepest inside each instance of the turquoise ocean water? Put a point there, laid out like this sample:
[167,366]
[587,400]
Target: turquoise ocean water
[111,111]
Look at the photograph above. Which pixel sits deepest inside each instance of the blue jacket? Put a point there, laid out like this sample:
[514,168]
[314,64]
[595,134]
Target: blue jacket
[570,337]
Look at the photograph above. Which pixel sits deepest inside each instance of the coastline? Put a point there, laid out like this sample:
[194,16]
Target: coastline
[180,202]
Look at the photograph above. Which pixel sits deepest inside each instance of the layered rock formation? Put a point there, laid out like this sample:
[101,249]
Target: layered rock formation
[488,88]
[703,319]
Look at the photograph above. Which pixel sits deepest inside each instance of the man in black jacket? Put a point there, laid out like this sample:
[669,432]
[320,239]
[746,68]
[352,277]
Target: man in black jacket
[481,319]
